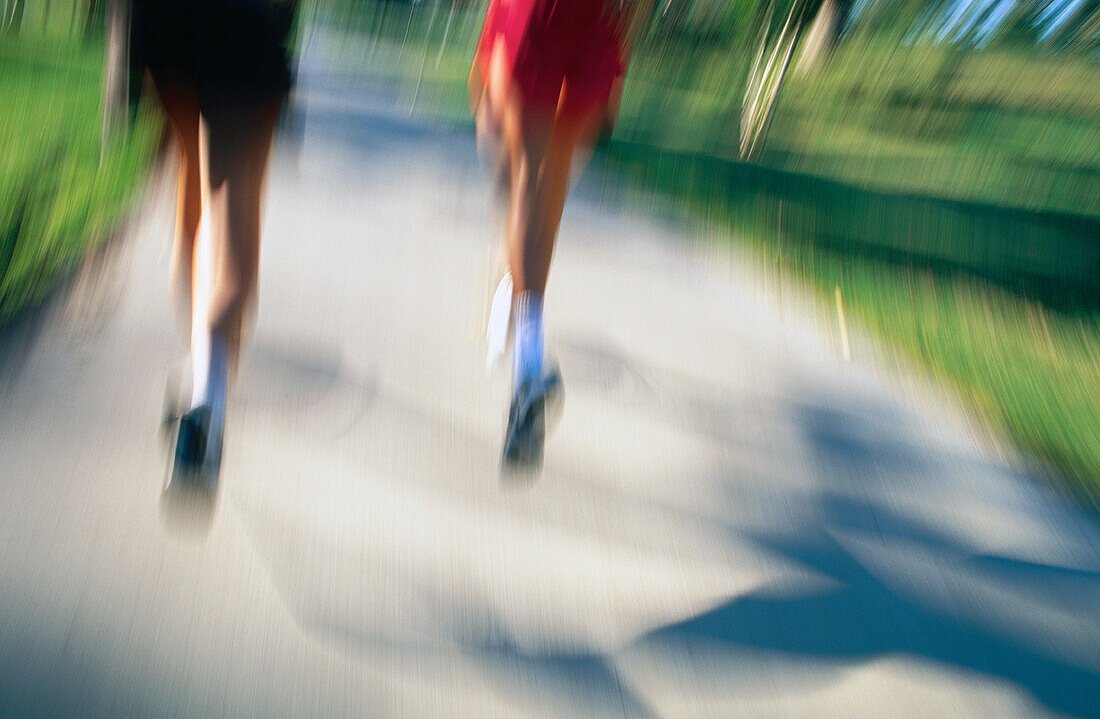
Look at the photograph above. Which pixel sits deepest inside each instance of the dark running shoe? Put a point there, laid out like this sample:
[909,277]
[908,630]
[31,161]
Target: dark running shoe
[532,402]
[197,457]
[189,498]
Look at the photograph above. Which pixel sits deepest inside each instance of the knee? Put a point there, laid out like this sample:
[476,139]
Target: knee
[234,293]
[524,177]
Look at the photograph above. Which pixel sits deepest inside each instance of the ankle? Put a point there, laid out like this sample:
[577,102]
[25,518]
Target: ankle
[529,341]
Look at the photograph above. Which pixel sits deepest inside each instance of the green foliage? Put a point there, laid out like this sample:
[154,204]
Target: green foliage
[57,193]
[994,126]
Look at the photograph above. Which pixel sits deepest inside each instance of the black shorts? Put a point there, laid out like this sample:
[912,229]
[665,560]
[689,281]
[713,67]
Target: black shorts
[235,46]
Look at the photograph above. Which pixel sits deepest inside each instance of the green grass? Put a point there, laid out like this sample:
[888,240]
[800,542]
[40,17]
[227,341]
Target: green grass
[1009,320]
[1033,372]
[59,194]
[953,197]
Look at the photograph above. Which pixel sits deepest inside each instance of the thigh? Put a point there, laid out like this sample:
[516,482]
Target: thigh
[181,104]
[575,133]
[527,130]
[237,137]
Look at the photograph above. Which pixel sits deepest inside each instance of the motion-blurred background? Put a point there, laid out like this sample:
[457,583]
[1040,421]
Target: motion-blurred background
[930,166]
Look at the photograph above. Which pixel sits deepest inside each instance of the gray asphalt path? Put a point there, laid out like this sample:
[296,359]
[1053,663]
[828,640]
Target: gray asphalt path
[732,521]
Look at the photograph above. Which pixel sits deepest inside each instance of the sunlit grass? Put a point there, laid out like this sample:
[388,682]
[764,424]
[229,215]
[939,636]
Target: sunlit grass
[1020,347]
[58,192]
[1033,372]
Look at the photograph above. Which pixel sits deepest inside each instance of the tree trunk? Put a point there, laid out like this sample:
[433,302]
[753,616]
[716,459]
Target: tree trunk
[13,16]
[820,37]
[116,74]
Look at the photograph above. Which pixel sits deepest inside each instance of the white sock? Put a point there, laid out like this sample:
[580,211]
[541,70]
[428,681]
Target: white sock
[210,363]
[529,337]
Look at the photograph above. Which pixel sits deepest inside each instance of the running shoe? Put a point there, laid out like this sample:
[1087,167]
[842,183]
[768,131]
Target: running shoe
[533,403]
[197,456]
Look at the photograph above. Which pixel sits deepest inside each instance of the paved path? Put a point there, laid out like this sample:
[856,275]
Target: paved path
[731,522]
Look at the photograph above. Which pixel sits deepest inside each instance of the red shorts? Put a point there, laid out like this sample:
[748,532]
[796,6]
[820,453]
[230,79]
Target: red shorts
[561,54]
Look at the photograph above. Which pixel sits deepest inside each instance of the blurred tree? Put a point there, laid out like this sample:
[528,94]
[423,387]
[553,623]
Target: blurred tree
[1078,30]
[824,32]
[116,81]
[781,25]
[93,19]
[13,17]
